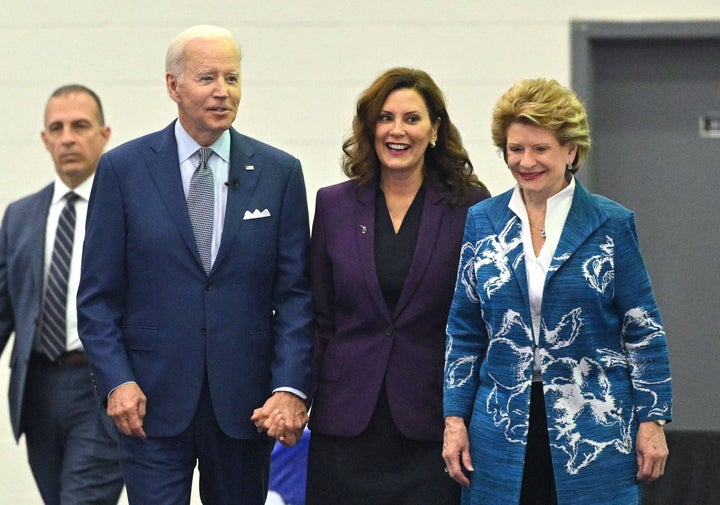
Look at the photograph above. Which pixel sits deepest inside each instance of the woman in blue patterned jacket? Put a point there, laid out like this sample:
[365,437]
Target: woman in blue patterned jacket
[557,378]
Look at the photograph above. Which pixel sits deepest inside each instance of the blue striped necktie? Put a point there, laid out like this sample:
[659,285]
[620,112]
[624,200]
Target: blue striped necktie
[53,329]
[201,207]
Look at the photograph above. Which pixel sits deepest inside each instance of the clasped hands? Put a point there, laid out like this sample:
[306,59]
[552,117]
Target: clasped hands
[283,417]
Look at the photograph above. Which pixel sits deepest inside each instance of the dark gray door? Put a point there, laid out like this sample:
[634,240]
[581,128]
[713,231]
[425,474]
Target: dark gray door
[647,89]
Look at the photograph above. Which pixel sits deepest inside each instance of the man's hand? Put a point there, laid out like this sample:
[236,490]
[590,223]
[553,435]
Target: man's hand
[283,416]
[652,451]
[126,407]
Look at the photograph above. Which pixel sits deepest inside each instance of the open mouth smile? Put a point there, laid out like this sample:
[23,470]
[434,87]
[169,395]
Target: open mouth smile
[397,147]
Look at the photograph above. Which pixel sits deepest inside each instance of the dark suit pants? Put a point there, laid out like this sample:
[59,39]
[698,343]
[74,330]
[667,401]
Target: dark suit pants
[159,470]
[71,442]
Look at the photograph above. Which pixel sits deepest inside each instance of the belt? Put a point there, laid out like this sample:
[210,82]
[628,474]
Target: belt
[65,360]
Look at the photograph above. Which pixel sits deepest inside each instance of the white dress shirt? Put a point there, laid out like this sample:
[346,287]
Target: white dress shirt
[56,206]
[536,267]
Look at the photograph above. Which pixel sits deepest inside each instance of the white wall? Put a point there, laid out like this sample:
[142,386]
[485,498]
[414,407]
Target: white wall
[304,65]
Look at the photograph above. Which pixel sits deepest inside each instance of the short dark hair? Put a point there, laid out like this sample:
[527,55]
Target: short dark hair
[69,89]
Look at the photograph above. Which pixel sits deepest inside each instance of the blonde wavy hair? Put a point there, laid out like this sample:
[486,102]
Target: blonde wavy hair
[547,104]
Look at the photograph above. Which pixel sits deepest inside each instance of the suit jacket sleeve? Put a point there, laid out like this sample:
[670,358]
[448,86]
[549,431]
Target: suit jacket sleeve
[7,323]
[467,338]
[322,287]
[102,282]
[291,292]
[22,248]
[643,335]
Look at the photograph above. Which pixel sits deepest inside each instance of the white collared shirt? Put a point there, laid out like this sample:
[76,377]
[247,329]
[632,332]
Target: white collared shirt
[536,267]
[219,163]
[56,206]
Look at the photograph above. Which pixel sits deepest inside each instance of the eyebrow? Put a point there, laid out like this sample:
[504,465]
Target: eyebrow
[404,113]
[71,122]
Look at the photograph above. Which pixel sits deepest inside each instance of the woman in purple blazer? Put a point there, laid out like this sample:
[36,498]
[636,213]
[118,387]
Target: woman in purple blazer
[384,254]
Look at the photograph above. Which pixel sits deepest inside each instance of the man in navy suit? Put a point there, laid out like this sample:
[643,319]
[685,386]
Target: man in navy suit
[198,347]
[71,443]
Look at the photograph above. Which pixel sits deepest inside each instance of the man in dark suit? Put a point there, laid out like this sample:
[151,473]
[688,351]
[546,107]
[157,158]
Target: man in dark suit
[194,301]
[71,443]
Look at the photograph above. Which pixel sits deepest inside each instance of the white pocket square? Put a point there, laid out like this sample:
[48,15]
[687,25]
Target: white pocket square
[256,214]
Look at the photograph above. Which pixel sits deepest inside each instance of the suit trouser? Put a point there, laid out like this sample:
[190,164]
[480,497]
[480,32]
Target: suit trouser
[159,470]
[71,442]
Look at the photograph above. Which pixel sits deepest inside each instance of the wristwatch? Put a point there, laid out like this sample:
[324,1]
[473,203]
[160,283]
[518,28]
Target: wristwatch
[660,422]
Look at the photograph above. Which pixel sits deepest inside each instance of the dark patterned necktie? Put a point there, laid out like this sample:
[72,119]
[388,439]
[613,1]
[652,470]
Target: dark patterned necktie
[201,207]
[53,329]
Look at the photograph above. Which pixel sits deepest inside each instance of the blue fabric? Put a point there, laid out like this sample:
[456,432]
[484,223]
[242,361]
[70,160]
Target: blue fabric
[22,271]
[604,359]
[71,442]
[55,407]
[161,468]
[147,310]
[288,470]
[149,313]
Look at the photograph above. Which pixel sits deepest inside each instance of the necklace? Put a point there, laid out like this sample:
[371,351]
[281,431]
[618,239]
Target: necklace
[541,230]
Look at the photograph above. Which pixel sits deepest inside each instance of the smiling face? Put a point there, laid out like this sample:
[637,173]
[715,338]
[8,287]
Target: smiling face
[74,136]
[207,91]
[537,160]
[403,131]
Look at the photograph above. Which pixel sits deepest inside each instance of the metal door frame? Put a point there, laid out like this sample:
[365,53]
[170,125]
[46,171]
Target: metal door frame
[587,35]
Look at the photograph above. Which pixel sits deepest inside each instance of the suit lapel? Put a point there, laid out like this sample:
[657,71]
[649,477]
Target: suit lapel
[365,242]
[507,230]
[584,217]
[36,237]
[243,177]
[164,168]
[433,210]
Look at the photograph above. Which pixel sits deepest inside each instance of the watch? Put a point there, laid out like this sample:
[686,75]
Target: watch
[660,422]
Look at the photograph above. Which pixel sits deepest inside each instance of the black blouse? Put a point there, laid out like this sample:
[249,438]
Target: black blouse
[394,251]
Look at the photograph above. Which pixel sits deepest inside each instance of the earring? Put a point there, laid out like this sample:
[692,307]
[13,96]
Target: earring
[432,145]
[569,167]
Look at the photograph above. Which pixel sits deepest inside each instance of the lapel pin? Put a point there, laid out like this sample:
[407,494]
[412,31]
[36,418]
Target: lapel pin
[249,167]
[363,229]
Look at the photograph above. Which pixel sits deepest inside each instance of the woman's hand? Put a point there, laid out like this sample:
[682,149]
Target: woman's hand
[652,451]
[456,450]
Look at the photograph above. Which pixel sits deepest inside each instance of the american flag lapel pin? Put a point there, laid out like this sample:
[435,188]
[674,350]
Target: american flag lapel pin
[249,167]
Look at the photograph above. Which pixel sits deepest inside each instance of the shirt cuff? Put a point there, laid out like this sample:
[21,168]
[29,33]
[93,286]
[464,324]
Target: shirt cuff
[294,391]
[113,389]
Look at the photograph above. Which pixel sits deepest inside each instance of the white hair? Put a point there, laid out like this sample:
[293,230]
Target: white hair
[175,57]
